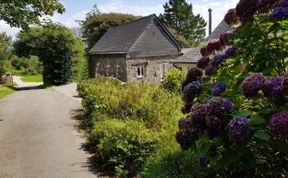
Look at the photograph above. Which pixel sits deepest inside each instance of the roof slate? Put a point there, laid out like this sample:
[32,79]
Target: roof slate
[119,39]
[223,26]
[189,55]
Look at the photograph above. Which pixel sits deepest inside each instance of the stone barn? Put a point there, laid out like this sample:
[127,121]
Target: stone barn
[139,51]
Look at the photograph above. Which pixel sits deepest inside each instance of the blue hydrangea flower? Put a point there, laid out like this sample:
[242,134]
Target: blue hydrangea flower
[218,59]
[219,88]
[230,52]
[279,13]
[284,85]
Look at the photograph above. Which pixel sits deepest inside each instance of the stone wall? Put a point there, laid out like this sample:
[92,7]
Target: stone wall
[152,69]
[109,66]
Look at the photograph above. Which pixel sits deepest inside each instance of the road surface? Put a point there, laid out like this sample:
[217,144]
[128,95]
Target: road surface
[38,138]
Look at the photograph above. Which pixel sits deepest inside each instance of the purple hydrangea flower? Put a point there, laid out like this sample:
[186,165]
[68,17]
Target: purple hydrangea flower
[219,88]
[279,13]
[186,108]
[214,122]
[231,17]
[284,85]
[202,161]
[218,59]
[230,52]
[283,3]
[191,90]
[194,74]
[238,129]
[213,45]
[218,105]
[198,117]
[186,139]
[272,88]
[184,83]
[203,63]
[246,9]
[210,70]
[204,51]
[224,38]
[185,124]
[279,124]
[252,84]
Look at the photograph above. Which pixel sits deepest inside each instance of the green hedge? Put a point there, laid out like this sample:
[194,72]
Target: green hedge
[128,124]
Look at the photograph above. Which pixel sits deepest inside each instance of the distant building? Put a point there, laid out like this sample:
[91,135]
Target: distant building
[139,51]
[190,56]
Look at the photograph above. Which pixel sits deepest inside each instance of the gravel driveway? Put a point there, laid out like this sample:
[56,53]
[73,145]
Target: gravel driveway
[38,138]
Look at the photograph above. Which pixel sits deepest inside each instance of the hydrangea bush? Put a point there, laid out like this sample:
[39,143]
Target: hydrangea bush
[237,113]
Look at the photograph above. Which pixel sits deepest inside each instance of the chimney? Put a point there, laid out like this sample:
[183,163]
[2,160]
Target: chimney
[210,21]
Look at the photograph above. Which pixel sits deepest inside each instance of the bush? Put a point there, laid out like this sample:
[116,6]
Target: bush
[26,66]
[173,80]
[123,147]
[140,118]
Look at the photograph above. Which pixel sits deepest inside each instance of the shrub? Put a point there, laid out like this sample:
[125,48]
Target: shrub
[173,80]
[123,147]
[140,118]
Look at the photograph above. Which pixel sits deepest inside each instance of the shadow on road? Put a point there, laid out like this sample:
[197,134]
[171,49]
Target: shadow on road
[29,88]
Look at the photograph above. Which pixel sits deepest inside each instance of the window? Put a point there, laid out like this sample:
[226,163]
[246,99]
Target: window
[163,69]
[140,71]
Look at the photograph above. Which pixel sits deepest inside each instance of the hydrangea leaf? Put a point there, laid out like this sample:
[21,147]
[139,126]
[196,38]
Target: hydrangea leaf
[262,135]
[256,120]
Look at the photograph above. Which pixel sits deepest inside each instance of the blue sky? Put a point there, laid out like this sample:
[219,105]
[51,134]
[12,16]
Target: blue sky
[76,10]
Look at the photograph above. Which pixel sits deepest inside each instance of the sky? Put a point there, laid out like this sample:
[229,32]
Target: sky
[76,10]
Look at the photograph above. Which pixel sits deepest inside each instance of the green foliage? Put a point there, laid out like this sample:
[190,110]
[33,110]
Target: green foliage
[185,43]
[128,121]
[96,24]
[5,52]
[4,91]
[178,14]
[264,44]
[26,66]
[262,47]
[61,53]
[173,80]
[123,146]
[20,13]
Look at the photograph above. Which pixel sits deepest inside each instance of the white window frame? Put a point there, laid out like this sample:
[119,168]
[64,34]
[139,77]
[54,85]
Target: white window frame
[140,71]
[163,70]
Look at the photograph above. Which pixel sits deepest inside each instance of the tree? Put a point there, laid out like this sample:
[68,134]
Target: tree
[56,47]
[5,51]
[96,24]
[19,13]
[178,14]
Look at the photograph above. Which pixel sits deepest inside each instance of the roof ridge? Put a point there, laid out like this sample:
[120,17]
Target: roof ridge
[152,15]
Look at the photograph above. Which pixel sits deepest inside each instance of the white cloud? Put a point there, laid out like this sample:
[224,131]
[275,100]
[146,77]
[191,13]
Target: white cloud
[219,10]
[4,27]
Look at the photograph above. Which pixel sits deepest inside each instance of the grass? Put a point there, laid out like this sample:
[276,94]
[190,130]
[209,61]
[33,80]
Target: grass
[32,78]
[4,91]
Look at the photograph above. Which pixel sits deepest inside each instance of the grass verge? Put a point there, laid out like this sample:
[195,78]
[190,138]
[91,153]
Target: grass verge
[4,91]
[32,78]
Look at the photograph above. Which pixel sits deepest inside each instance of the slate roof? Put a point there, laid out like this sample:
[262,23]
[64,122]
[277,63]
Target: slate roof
[223,26]
[189,55]
[119,39]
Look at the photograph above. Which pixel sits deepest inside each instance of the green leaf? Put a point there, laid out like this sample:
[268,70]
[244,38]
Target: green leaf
[256,120]
[262,135]
[241,113]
